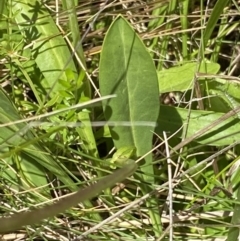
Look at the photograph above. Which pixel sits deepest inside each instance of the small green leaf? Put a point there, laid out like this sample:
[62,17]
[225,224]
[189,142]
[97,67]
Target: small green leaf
[64,83]
[122,155]
[226,94]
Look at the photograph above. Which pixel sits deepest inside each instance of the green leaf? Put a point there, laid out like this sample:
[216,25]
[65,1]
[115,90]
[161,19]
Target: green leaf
[49,48]
[18,141]
[227,94]
[230,87]
[2,8]
[233,233]
[127,70]
[214,18]
[122,155]
[171,120]
[14,136]
[180,78]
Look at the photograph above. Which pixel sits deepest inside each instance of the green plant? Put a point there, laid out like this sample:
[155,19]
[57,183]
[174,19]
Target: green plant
[56,137]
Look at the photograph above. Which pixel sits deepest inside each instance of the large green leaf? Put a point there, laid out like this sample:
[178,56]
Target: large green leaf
[49,49]
[127,70]
[51,57]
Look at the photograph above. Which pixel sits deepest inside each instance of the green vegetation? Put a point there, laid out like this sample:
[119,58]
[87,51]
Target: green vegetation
[149,88]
